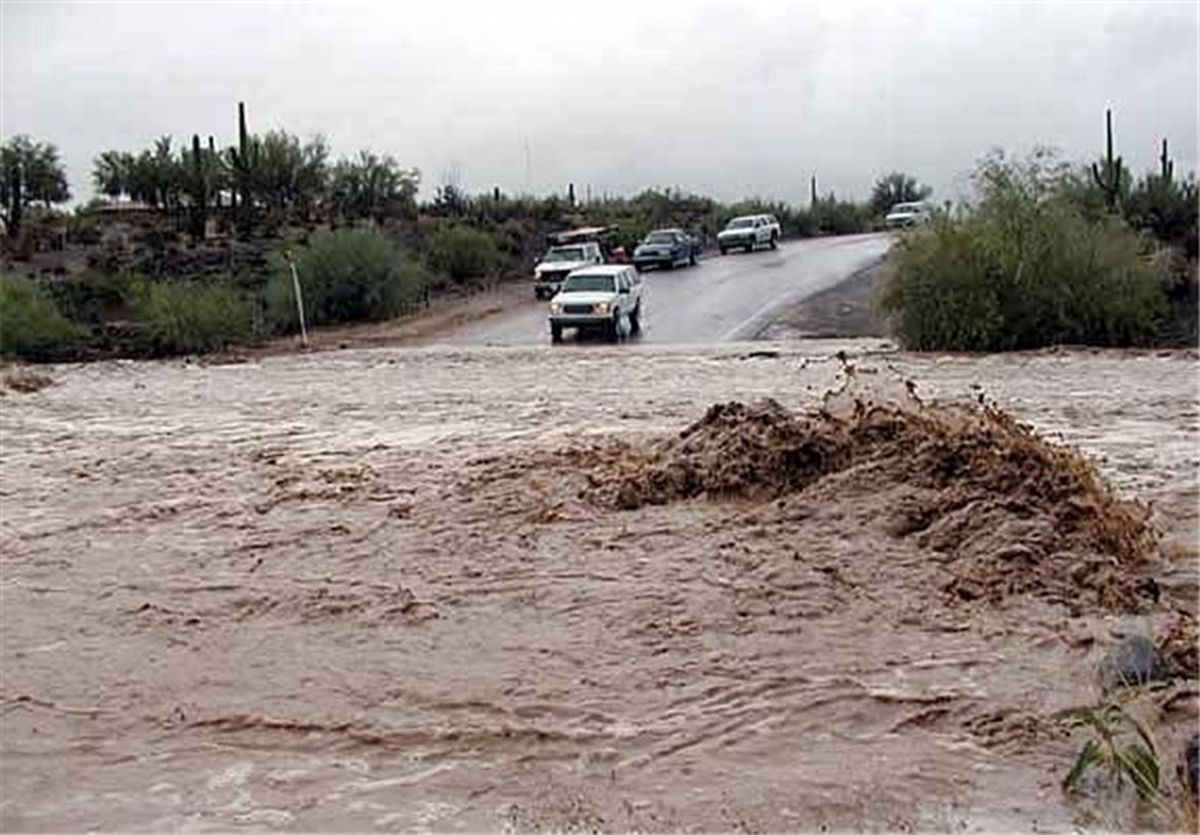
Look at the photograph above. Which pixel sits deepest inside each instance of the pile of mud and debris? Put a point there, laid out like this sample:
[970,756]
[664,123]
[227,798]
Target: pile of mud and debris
[1005,510]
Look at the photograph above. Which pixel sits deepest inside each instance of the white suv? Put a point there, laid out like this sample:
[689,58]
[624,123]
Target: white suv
[598,298]
[748,232]
[907,214]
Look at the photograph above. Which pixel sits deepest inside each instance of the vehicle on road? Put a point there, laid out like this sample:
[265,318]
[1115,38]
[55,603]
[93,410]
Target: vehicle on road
[559,262]
[907,214]
[749,231]
[598,298]
[666,248]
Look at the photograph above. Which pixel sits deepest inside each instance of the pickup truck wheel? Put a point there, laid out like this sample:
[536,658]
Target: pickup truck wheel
[639,267]
[635,319]
[537,293]
[555,332]
[774,243]
[723,250]
[750,246]
[691,259]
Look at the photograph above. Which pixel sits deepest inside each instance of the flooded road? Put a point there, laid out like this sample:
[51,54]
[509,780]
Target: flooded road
[373,590]
[723,298]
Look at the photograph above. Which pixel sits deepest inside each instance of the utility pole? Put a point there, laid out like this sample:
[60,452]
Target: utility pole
[299,299]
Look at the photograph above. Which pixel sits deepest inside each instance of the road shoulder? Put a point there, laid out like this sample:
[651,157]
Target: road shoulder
[844,311]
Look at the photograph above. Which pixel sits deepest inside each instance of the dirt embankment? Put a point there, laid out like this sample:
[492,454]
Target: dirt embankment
[844,311]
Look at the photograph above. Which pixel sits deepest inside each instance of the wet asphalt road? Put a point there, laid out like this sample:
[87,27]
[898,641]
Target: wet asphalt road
[723,298]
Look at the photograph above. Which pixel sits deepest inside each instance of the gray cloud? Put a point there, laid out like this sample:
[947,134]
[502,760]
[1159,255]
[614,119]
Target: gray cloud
[730,99]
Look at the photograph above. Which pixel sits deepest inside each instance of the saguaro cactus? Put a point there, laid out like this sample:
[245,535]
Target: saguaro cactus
[198,190]
[1166,166]
[16,202]
[813,195]
[1110,175]
[213,172]
[243,166]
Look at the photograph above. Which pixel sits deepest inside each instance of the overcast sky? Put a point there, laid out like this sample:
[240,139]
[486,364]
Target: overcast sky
[722,98]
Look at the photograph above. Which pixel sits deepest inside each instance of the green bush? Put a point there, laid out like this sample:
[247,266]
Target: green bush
[31,326]
[191,318]
[1026,268]
[462,253]
[345,276]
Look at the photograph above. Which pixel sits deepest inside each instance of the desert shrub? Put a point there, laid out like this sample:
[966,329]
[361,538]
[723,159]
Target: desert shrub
[1167,209]
[462,253]
[1025,268]
[30,325]
[345,276]
[187,318]
[832,216]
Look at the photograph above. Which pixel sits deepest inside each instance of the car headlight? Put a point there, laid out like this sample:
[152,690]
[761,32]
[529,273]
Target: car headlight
[600,309]
[555,307]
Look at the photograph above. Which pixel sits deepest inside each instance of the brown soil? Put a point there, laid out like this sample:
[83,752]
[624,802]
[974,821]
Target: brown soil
[444,315]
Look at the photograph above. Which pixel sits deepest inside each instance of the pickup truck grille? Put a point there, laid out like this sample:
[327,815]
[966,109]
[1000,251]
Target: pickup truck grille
[577,309]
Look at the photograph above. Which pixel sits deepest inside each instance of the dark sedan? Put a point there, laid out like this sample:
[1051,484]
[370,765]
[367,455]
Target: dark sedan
[666,248]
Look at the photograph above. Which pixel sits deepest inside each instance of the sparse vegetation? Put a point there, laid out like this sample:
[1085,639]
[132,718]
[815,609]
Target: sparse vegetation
[1024,268]
[463,253]
[1120,751]
[31,327]
[347,276]
[191,318]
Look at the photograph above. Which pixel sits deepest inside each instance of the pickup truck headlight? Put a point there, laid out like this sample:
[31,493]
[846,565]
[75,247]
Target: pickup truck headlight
[555,307]
[600,308]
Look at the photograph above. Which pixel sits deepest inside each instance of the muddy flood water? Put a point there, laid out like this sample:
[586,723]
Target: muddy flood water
[483,589]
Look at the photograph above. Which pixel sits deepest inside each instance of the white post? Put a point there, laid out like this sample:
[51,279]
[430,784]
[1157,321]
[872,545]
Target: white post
[299,301]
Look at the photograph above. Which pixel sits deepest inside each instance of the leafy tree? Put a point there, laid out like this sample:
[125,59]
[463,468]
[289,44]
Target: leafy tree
[31,172]
[894,188]
[110,173]
[286,174]
[371,186]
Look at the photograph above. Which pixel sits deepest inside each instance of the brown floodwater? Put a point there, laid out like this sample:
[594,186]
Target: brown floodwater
[382,589]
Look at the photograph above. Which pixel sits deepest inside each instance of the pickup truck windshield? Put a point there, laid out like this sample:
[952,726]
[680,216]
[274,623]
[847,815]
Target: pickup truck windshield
[566,253]
[588,284]
[741,223]
[660,238]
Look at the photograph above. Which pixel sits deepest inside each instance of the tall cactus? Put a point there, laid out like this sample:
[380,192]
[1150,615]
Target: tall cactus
[198,190]
[213,172]
[813,195]
[1166,166]
[1110,175]
[16,201]
[243,165]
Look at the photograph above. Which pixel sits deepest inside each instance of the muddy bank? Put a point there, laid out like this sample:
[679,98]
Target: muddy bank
[392,589]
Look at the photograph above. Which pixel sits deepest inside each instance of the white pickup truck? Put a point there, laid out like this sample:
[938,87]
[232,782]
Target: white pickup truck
[598,298]
[548,275]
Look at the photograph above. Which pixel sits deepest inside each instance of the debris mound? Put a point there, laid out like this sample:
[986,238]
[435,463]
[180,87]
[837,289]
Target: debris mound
[1005,510]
